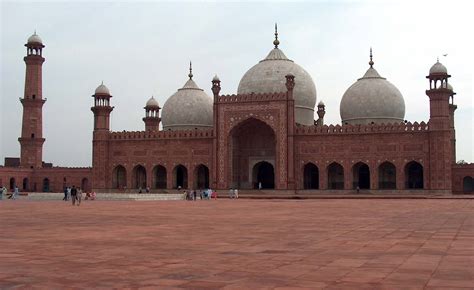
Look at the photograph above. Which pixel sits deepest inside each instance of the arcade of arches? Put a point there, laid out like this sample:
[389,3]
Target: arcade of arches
[252,147]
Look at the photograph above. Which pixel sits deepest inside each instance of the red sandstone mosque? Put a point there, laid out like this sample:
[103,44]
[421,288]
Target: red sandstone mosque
[264,136]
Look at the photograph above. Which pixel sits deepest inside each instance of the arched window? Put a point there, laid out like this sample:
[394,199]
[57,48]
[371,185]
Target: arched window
[263,174]
[85,184]
[26,184]
[12,183]
[46,185]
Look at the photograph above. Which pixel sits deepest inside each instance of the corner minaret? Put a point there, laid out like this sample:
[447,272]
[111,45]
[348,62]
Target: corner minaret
[102,108]
[31,140]
[441,134]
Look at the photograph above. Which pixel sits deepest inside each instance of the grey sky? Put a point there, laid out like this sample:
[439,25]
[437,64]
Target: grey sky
[143,49]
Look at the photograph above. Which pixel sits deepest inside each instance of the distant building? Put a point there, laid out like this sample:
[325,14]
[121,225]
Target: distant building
[265,135]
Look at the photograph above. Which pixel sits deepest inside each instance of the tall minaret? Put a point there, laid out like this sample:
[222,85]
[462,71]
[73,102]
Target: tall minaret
[31,140]
[440,130]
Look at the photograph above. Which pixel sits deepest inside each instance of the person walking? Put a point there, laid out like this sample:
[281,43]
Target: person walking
[73,195]
[3,191]
[68,194]
[231,192]
[15,192]
[79,197]
[65,193]
[194,194]
[236,193]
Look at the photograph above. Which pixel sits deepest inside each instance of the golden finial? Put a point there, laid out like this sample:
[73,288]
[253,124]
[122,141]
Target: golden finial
[371,62]
[190,75]
[276,42]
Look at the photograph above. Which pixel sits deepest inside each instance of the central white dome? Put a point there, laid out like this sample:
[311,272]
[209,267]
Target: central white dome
[268,76]
[372,99]
[187,109]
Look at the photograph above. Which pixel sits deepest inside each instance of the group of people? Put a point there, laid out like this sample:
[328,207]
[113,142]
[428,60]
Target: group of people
[14,195]
[74,193]
[233,193]
[203,194]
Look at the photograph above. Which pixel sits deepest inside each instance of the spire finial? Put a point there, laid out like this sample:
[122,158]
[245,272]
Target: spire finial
[276,42]
[35,32]
[371,62]
[437,59]
[102,83]
[190,75]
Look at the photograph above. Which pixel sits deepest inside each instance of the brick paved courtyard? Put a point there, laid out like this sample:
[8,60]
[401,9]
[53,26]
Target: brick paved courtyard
[238,244]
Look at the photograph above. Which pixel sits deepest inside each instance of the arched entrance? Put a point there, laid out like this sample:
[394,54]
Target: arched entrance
[139,177]
[335,176]
[387,176]
[361,175]
[180,177]
[159,177]
[251,142]
[26,184]
[263,174]
[311,176]
[85,184]
[468,184]
[201,175]
[46,185]
[119,177]
[414,175]
[12,183]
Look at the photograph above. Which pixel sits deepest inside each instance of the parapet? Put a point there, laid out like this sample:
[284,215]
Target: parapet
[358,129]
[252,97]
[178,134]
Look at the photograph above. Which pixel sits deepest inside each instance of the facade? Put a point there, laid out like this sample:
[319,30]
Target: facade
[265,137]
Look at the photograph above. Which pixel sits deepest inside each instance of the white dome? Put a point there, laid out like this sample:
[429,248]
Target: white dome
[372,99]
[102,89]
[189,108]
[34,39]
[438,68]
[268,76]
[152,103]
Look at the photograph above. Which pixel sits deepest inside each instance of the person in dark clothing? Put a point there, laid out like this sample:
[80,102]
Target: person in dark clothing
[73,194]
[65,193]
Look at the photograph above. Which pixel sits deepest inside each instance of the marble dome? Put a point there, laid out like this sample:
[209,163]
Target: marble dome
[152,103]
[372,99]
[268,76]
[438,68]
[34,39]
[102,89]
[189,108]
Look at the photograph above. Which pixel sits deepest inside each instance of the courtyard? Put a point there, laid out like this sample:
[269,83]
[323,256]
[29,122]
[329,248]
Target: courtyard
[238,244]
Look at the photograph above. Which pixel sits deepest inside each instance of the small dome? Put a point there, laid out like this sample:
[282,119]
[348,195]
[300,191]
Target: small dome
[320,104]
[102,90]
[438,68]
[152,103]
[215,79]
[189,108]
[372,99]
[34,39]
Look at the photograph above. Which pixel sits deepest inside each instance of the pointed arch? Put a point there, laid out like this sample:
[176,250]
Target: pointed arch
[414,175]
[468,184]
[335,173]
[310,176]
[180,176]
[361,175]
[159,177]
[119,177]
[46,185]
[387,175]
[139,177]
[201,176]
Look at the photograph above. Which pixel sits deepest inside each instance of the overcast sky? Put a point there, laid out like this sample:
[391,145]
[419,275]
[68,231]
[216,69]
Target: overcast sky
[143,49]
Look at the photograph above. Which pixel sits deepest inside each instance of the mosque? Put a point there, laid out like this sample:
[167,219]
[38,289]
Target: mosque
[264,136]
